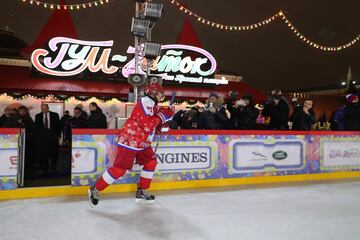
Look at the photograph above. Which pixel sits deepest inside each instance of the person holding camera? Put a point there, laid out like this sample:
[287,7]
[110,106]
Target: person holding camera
[243,113]
[230,106]
[214,115]
[276,107]
[188,119]
[303,116]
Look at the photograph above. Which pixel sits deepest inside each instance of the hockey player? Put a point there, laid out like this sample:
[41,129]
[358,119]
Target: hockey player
[135,142]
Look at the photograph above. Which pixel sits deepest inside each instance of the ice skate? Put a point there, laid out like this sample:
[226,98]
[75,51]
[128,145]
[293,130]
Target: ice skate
[143,197]
[94,196]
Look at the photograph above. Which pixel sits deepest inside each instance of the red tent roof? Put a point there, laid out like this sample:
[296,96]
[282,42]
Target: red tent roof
[19,79]
[59,24]
[187,36]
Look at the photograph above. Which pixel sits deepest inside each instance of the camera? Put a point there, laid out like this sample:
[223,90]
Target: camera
[241,102]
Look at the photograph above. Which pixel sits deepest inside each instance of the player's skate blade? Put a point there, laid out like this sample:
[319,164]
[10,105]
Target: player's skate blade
[143,197]
[94,196]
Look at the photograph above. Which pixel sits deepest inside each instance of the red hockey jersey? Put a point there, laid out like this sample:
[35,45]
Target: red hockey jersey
[139,129]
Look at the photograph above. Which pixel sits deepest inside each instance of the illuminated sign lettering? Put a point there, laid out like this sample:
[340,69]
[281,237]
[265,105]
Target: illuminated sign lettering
[178,63]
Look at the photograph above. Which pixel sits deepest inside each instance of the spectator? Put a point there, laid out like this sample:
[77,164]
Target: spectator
[65,118]
[339,119]
[231,101]
[50,123]
[83,113]
[78,121]
[25,121]
[276,107]
[188,119]
[244,113]
[97,118]
[323,124]
[48,120]
[64,121]
[214,115]
[352,113]
[12,120]
[5,116]
[303,116]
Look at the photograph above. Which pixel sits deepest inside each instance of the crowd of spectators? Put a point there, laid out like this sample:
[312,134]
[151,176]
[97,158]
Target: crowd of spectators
[20,118]
[240,112]
[233,112]
[47,131]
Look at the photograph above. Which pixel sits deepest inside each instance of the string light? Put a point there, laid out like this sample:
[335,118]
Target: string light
[278,16]
[66,6]
[51,97]
[67,99]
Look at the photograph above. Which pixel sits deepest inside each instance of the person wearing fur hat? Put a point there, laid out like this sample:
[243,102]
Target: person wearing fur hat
[352,113]
[214,115]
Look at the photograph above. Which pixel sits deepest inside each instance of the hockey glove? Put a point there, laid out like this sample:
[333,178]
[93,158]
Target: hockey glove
[166,114]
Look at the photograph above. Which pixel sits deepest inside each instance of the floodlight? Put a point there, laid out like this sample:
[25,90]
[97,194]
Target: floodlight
[153,10]
[140,27]
[152,50]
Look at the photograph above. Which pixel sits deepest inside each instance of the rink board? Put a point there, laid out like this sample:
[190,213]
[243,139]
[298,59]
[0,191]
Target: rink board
[190,159]
[9,154]
[204,155]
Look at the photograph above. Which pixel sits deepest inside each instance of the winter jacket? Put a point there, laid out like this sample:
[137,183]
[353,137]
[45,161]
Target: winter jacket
[339,118]
[77,122]
[352,117]
[189,119]
[301,120]
[3,119]
[97,119]
[278,114]
[11,121]
[217,120]
[243,117]
[26,122]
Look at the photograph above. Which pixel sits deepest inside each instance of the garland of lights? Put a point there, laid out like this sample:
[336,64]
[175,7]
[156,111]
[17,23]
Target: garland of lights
[279,15]
[67,6]
[84,98]
[59,98]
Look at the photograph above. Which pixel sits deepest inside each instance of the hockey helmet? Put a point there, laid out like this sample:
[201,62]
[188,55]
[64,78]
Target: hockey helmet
[153,87]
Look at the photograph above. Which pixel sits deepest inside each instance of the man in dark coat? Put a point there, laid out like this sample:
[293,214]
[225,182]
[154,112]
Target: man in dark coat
[352,113]
[9,119]
[243,113]
[25,121]
[97,118]
[277,108]
[48,128]
[214,115]
[4,117]
[48,120]
[64,119]
[303,116]
[188,119]
[78,121]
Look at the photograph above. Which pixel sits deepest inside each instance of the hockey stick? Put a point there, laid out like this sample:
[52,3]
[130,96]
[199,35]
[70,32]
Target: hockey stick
[171,103]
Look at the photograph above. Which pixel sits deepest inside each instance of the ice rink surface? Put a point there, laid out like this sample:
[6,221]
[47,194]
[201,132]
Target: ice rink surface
[307,212]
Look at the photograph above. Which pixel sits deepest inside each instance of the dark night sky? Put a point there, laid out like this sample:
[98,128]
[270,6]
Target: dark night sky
[270,57]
